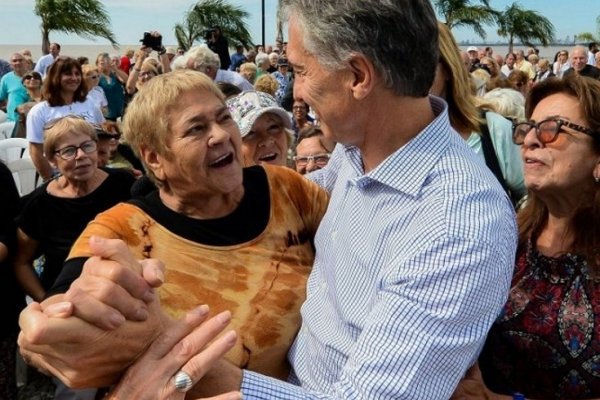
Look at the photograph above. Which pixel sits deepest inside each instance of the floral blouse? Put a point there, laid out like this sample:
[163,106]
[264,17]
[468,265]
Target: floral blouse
[546,342]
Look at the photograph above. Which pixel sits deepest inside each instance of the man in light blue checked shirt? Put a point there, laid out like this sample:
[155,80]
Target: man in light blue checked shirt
[415,253]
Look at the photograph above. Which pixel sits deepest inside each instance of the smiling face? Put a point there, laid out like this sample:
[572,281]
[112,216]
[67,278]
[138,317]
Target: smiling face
[80,168]
[266,143]
[70,81]
[327,92]
[310,147]
[32,81]
[564,167]
[578,58]
[300,110]
[203,152]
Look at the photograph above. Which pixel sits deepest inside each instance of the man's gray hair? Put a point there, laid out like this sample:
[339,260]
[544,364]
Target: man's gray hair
[400,37]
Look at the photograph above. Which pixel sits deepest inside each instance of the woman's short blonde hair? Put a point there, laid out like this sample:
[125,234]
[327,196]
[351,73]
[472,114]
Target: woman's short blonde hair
[251,68]
[87,68]
[266,83]
[56,129]
[146,123]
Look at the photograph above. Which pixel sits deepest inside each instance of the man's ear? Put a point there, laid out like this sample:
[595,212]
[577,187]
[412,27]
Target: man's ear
[364,76]
[153,161]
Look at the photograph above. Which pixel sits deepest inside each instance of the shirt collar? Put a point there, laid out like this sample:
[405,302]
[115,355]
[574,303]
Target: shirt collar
[407,168]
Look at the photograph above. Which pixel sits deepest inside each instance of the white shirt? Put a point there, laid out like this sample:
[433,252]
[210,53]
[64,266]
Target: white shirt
[44,64]
[233,78]
[96,94]
[42,113]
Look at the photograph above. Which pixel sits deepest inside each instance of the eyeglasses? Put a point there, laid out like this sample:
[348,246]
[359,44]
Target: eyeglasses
[546,131]
[29,77]
[93,77]
[298,108]
[146,74]
[319,159]
[69,152]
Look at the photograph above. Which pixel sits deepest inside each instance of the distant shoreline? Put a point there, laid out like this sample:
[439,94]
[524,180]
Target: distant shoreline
[557,44]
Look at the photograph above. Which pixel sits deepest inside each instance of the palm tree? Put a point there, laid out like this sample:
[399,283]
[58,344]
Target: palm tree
[585,37]
[462,13]
[208,13]
[86,18]
[588,36]
[525,25]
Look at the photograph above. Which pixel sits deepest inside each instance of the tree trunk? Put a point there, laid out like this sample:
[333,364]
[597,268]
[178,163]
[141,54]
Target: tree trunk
[510,43]
[45,42]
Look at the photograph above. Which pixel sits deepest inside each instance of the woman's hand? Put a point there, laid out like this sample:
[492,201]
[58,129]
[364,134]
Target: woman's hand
[183,347]
[83,336]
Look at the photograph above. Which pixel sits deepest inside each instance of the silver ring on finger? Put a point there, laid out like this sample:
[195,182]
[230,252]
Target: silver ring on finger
[183,382]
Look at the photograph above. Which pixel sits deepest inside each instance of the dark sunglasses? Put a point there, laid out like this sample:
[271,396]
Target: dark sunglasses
[32,76]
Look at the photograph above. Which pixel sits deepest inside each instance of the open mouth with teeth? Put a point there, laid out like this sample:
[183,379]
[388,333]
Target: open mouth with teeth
[222,161]
[270,157]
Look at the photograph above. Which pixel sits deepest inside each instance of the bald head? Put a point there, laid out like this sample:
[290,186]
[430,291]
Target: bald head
[579,58]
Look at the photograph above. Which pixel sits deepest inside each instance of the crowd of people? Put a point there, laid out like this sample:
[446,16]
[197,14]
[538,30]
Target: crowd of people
[331,217]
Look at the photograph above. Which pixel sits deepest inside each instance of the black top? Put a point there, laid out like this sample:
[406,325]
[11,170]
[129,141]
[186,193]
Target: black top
[12,297]
[221,47]
[245,223]
[56,222]
[588,70]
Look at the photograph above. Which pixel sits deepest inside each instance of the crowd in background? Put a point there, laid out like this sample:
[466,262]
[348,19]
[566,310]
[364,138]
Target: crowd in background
[96,138]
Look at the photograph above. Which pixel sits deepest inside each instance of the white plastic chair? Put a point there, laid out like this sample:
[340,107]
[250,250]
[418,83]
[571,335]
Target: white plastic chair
[13,149]
[24,174]
[6,129]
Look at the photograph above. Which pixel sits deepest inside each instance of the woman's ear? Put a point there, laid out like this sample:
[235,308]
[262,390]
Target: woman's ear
[153,161]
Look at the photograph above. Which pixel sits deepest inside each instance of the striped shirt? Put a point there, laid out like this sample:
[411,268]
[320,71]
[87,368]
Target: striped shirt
[413,264]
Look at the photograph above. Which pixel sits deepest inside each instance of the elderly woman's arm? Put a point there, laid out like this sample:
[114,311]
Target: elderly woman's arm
[83,355]
[78,352]
[23,264]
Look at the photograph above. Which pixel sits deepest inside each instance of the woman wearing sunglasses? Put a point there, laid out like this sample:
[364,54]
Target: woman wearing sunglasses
[32,82]
[545,342]
[91,77]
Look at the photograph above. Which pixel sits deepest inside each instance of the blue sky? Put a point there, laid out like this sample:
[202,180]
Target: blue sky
[130,18]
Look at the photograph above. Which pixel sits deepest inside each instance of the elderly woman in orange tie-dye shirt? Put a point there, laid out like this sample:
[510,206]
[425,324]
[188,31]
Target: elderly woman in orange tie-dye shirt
[234,238]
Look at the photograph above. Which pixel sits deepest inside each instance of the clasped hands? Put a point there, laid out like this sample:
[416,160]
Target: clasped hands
[108,329]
